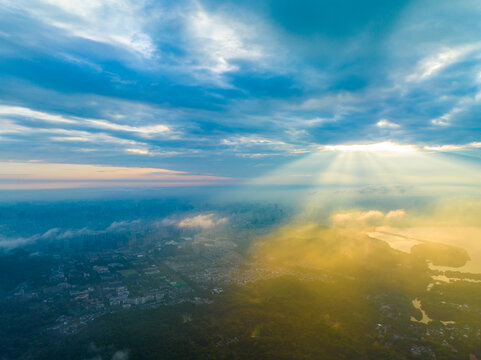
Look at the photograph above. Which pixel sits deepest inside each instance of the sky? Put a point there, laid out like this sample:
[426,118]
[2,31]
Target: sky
[215,92]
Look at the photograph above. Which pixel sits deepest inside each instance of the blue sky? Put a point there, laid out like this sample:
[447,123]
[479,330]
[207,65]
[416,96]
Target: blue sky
[210,90]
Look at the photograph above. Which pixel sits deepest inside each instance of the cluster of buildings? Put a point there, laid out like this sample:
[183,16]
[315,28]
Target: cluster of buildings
[92,284]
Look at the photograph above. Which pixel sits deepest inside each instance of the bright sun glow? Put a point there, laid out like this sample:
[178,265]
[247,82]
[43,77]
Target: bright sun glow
[387,146]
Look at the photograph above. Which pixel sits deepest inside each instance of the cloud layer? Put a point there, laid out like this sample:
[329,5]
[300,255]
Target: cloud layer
[229,89]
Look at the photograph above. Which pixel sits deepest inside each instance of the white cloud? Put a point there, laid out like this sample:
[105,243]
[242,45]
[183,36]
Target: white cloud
[118,23]
[315,121]
[11,243]
[462,105]
[246,140]
[138,151]
[397,148]
[201,221]
[63,135]
[383,147]
[220,39]
[59,234]
[14,243]
[38,175]
[452,147]
[102,124]
[445,119]
[257,155]
[10,127]
[386,124]
[367,217]
[122,225]
[33,114]
[432,64]
[445,147]
[69,234]
[144,130]
[262,145]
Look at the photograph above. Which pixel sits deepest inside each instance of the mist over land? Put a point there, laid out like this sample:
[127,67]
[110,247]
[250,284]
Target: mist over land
[354,271]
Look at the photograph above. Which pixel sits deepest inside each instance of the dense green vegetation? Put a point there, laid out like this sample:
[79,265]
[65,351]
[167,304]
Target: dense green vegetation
[20,266]
[281,318]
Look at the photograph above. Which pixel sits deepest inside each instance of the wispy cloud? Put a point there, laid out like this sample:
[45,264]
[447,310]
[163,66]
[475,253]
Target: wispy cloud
[8,243]
[36,175]
[220,41]
[452,147]
[386,124]
[245,144]
[102,124]
[157,84]
[446,119]
[202,221]
[117,23]
[433,64]
[138,151]
[373,147]
[20,111]
[371,217]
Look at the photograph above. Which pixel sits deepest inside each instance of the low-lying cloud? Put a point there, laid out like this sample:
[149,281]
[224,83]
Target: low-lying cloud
[202,221]
[370,217]
[192,222]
